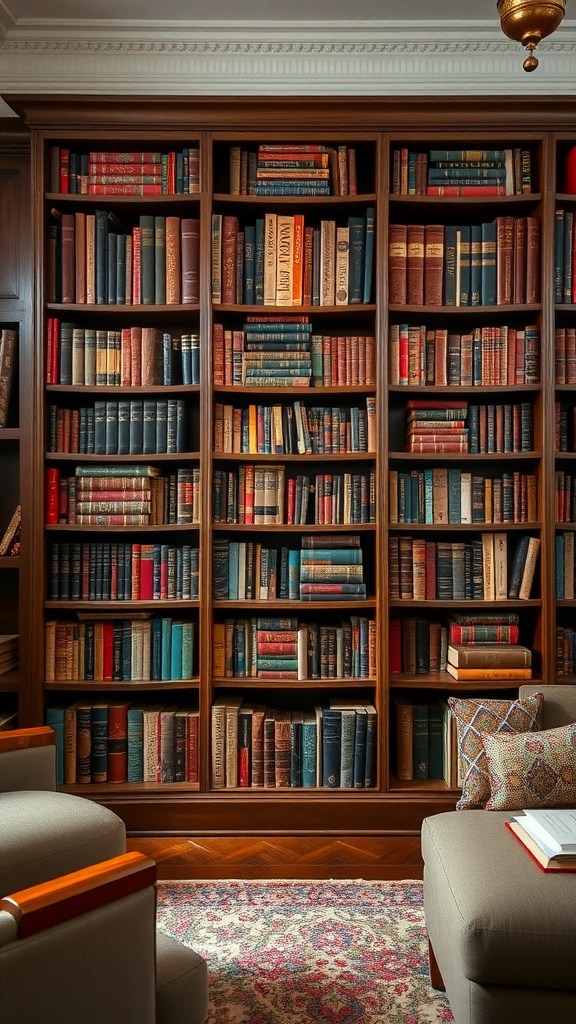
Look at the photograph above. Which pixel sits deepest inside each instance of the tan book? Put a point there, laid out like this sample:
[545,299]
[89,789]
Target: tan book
[529,568]
[270,236]
[489,656]
[342,266]
[500,567]
[284,259]
[327,262]
[488,567]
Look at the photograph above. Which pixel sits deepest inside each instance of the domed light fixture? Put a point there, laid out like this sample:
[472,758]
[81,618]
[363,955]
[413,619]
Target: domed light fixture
[529,21]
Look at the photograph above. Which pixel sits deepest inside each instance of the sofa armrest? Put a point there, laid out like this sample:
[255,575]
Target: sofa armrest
[50,903]
[28,759]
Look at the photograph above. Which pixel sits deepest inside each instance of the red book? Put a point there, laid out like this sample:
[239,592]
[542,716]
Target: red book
[533,260]
[147,572]
[192,770]
[64,183]
[117,742]
[137,157]
[136,266]
[106,167]
[307,274]
[136,356]
[504,260]
[107,651]
[218,363]
[433,264]
[190,236]
[415,264]
[466,190]
[397,263]
[229,233]
[52,494]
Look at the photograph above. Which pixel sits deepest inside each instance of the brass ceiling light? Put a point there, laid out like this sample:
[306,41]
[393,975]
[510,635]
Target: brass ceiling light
[529,21]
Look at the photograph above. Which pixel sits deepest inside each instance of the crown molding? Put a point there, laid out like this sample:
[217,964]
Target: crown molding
[254,59]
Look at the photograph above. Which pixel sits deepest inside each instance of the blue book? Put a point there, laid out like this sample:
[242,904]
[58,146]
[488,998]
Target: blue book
[166,649]
[99,743]
[293,575]
[296,723]
[187,650]
[331,747]
[156,650]
[361,725]
[309,750]
[488,264]
[176,651]
[369,254]
[54,717]
[357,248]
[135,744]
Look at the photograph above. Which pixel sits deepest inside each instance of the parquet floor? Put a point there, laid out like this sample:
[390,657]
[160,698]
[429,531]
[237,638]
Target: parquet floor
[369,857]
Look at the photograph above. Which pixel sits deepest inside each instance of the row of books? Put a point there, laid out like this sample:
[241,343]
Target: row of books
[282,261]
[93,258]
[565,564]
[565,355]
[565,496]
[447,494]
[418,645]
[10,541]
[136,173]
[295,429]
[462,172]
[257,746]
[481,569]
[124,649]
[129,357]
[439,425]
[104,500]
[564,257]
[426,746]
[9,652]
[322,650]
[564,427]
[489,264]
[124,742]
[421,356]
[8,372]
[302,169]
[110,571]
[120,426]
[325,500]
[335,360]
[270,352]
[565,650]
[245,570]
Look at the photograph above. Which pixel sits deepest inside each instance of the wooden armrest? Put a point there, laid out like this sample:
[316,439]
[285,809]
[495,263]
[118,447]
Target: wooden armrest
[50,903]
[23,739]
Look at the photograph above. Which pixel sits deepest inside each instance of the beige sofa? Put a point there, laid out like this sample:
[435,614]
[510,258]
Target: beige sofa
[502,932]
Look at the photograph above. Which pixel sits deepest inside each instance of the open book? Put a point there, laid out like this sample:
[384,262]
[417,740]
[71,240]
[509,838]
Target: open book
[562,862]
[554,830]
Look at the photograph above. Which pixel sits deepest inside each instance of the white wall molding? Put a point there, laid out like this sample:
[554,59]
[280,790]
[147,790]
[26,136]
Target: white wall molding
[251,59]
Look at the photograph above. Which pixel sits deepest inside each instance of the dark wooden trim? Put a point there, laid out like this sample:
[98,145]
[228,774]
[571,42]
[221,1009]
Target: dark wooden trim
[436,979]
[24,739]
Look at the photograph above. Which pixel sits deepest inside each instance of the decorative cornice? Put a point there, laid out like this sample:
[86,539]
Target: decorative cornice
[281,59]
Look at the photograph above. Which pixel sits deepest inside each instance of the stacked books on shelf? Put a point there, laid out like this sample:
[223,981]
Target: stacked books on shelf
[127,649]
[331,568]
[549,836]
[565,650]
[10,543]
[296,429]
[280,260]
[8,371]
[111,496]
[244,647]
[94,258]
[138,173]
[485,646]
[129,357]
[436,425]
[293,169]
[565,494]
[117,571]
[124,742]
[462,172]
[258,746]
[447,494]
[421,355]
[493,263]
[426,746]
[9,652]
[417,645]
[123,426]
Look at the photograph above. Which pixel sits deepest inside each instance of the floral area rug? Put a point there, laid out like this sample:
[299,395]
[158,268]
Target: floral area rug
[308,952]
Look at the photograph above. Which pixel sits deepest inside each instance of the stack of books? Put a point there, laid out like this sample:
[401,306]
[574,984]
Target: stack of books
[9,656]
[436,425]
[290,169]
[485,646]
[276,353]
[331,568]
[277,648]
[549,835]
[460,172]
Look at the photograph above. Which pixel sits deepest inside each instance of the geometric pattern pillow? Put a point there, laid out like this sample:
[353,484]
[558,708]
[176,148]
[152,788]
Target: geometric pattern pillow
[536,769]
[476,717]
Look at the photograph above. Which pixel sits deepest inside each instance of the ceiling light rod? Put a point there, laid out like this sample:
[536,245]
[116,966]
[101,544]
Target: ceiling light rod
[529,21]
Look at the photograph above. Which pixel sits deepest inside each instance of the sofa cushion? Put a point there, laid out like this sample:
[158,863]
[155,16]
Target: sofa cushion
[477,716]
[45,834]
[491,910]
[535,769]
[181,982]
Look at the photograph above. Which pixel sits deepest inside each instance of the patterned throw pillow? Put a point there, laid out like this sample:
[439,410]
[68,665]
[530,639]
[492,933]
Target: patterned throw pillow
[535,769]
[476,716]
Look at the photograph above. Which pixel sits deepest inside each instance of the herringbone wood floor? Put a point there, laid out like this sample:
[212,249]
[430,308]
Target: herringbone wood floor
[369,857]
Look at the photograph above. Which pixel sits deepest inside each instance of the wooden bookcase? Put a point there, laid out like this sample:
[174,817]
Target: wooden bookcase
[375,128]
[16,315]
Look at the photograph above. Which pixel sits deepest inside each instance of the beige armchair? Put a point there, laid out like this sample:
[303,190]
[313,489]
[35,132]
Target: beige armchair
[78,937]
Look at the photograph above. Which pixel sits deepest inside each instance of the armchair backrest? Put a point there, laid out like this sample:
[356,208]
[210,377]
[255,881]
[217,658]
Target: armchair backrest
[559,703]
[27,760]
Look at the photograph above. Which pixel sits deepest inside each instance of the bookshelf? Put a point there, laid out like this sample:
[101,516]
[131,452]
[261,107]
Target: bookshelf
[16,340]
[339,461]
